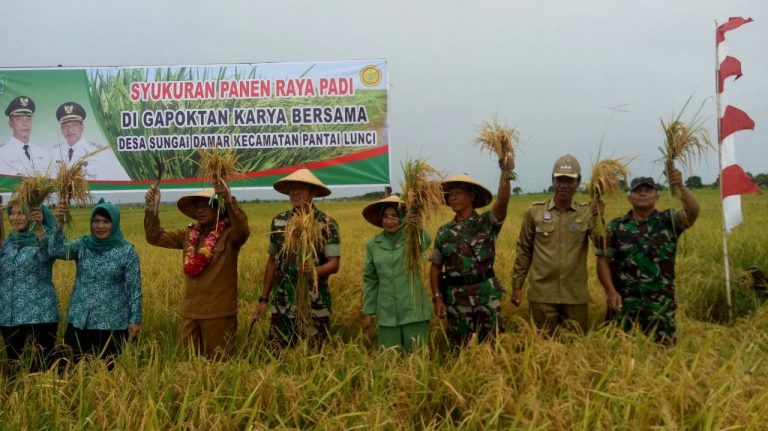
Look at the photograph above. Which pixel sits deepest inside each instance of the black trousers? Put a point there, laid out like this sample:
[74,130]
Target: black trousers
[39,338]
[105,344]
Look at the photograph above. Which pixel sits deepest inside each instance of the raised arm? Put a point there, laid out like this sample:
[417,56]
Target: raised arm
[237,217]
[690,205]
[152,230]
[499,208]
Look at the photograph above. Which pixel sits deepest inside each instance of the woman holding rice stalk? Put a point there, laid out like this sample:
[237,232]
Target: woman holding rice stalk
[304,251]
[392,294]
[105,305]
[208,317]
[29,308]
[464,286]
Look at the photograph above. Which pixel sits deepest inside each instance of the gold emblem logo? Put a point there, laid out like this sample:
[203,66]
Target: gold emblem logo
[68,109]
[24,101]
[370,76]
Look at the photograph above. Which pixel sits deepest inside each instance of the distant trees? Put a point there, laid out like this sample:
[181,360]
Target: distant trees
[694,182]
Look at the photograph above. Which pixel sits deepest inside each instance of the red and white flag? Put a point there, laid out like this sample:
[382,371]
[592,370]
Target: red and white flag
[734,182]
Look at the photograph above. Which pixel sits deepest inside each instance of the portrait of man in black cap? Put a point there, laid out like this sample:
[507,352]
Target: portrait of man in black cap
[101,165]
[18,155]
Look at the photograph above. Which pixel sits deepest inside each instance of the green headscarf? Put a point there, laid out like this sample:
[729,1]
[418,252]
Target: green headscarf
[28,237]
[115,239]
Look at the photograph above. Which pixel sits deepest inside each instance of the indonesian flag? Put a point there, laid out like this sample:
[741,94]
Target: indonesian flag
[734,182]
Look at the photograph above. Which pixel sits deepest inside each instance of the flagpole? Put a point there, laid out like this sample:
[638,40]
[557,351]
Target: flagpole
[726,259]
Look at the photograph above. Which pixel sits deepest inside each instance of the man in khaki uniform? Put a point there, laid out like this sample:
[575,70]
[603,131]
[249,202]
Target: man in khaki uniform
[553,244]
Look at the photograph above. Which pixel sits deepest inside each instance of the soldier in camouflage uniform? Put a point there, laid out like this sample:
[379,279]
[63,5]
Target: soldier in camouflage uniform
[464,286]
[282,270]
[637,270]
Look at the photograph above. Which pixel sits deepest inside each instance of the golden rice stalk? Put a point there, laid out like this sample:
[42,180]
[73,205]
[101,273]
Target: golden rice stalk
[305,237]
[500,141]
[32,192]
[608,178]
[684,142]
[423,197]
[72,183]
[218,164]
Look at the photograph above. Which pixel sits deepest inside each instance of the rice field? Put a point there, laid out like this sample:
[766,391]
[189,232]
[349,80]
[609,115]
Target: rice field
[716,377]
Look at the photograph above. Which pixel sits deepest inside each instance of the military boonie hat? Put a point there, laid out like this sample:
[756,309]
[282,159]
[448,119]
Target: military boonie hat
[21,106]
[373,213]
[483,196]
[70,111]
[567,166]
[186,204]
[643,181]
[302,176]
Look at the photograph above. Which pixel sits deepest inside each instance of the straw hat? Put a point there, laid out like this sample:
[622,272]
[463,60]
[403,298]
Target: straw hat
[186,203]
[372,212]
[302,176]
[483,196]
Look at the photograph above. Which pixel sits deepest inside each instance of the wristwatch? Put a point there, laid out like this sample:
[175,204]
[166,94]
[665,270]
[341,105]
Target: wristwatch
[263,299]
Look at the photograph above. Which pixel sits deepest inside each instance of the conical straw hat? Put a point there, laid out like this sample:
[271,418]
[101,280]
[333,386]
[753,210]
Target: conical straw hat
[186,203]
[373,212]
[483,196]
[302,176]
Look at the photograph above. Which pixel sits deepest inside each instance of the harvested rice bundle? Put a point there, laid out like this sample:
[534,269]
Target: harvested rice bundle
[423,198]
[305,238]
[32,192]
[72,183]
[216,165]
[500,141]
[608,178]
[684,142]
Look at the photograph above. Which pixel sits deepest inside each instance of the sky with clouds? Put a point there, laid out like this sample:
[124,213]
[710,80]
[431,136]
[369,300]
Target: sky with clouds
[566,74]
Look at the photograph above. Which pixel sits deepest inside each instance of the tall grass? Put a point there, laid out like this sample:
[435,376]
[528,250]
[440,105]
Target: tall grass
[714,378]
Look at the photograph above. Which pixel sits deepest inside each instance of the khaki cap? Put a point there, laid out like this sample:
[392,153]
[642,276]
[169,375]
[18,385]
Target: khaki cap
[186,203]
[483,196]
[302,176]
[567,166]
[373,212]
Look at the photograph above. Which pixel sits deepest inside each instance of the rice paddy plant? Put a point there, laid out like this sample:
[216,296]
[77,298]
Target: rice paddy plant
[72,184]
[32,192]
[714,378]
[305,238]
[501,141]
[609,177]
[684,142]
[423,198]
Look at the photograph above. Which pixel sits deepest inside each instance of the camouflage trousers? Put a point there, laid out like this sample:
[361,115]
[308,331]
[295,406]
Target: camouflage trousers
[285,330]
[467,315]
[654,315]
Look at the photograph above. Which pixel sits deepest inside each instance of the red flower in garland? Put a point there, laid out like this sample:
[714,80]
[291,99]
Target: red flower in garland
[195,261]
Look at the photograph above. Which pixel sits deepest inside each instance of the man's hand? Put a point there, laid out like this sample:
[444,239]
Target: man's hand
[614,300]
[517,297]
[152,197]
[675,177]
[597,207]
[260,309]
[507,165]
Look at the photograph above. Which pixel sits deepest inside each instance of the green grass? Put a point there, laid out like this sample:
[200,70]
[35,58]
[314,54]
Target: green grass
[715,378]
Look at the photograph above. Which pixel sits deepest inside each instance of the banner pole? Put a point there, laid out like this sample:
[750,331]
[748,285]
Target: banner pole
[726,258]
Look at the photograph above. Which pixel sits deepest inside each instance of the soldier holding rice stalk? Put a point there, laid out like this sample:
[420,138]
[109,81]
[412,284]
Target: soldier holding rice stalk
[636,266]
[304,251]
[465,289]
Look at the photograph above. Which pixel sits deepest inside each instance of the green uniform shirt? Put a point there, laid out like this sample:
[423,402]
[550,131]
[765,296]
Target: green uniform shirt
[554,246]
[390,292]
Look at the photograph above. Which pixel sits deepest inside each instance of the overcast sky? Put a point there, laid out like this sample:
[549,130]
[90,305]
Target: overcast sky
[552,69]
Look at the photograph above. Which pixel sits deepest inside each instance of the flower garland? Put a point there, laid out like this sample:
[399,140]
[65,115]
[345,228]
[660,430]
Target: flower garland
[195,261]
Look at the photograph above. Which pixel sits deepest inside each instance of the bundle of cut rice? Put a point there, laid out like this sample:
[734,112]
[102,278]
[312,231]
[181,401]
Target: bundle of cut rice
[217,165]
[500,141]
[32,192]
[609,177]
[684,142]
[305,238]
[423,198]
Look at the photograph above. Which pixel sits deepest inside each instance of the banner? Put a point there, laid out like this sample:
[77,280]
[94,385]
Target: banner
[330,117]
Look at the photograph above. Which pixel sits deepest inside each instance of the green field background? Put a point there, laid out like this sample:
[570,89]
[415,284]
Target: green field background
[714,378]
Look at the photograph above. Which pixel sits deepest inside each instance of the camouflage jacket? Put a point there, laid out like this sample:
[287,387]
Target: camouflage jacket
[468,248]
[642,253]
[287,268]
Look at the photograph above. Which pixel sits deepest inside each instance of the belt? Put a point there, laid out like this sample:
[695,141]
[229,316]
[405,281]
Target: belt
[465,280]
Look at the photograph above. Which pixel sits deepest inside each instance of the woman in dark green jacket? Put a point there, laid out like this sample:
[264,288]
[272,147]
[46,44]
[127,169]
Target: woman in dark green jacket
[397,300]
